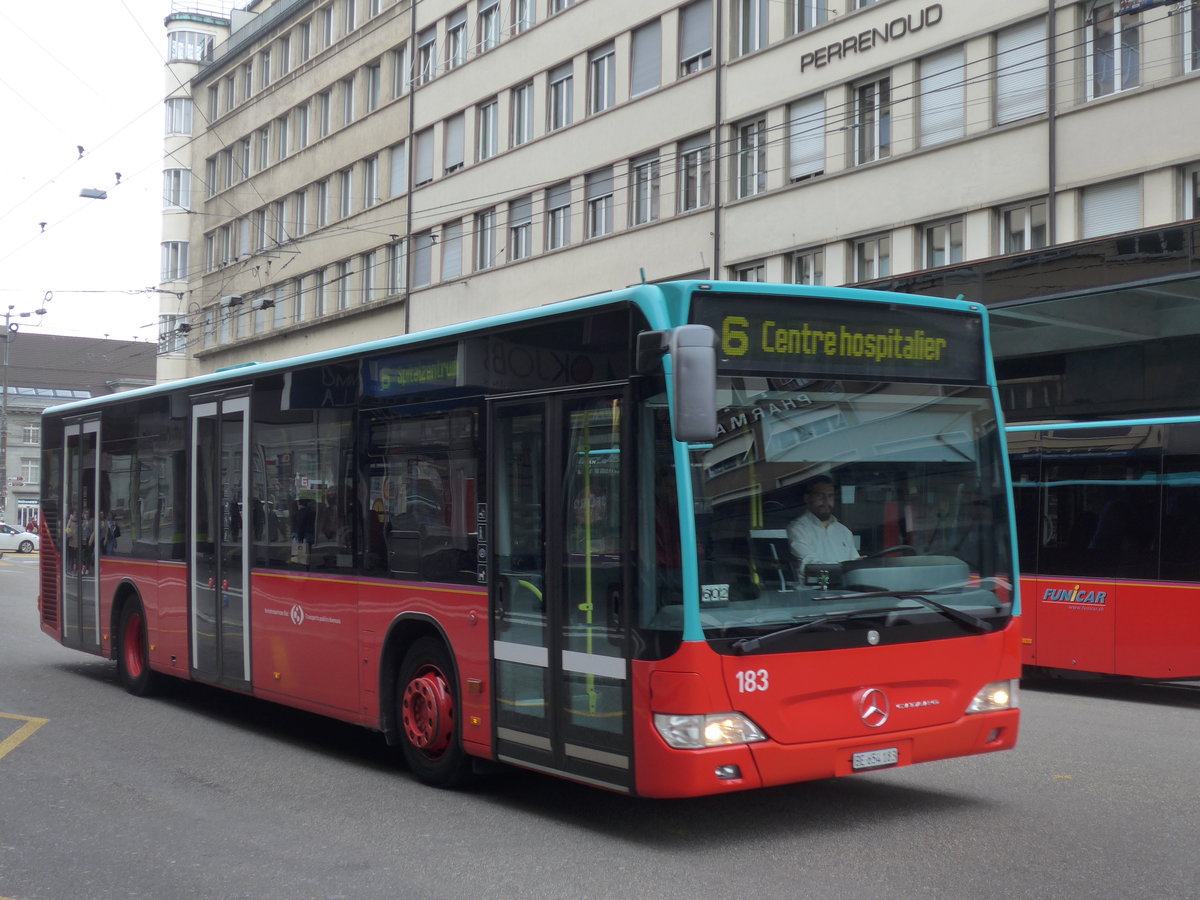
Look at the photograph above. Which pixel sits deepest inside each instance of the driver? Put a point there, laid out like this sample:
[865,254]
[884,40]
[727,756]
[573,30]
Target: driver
[816,536]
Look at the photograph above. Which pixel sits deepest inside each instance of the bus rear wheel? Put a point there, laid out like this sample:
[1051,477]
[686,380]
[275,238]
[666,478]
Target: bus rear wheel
[133,655]
[427,712]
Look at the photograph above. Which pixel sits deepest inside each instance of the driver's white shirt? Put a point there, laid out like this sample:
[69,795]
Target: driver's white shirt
[814,541]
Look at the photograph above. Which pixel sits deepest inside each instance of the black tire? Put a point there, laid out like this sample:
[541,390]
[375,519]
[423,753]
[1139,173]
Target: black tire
[26,547]
[133,654]
[428,718]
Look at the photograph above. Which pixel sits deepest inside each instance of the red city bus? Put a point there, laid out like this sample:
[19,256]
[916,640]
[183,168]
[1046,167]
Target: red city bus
[559,539]
[1107,514]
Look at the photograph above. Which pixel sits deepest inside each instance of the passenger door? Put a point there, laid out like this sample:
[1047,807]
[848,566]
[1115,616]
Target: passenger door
[559,575]
[81,511]
[218,543]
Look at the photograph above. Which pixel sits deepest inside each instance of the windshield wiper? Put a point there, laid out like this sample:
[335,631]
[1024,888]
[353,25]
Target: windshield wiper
[961,616]
[749,645]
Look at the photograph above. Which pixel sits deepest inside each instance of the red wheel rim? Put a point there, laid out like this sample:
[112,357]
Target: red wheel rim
[131,646]
[428,712]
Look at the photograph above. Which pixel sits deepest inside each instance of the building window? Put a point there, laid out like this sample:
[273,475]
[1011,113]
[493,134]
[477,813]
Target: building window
[557,6]
[264,69]
[351,21]
[1111,208]
[695,37]
[345,192]
[370,182]
[753,272]
[174,261]
[452,238]
[646,67]
[599,196]
[486,130]
[558,216]
[423,163]
[806,14]
[422,273]
[602,77]
[327,26]
[872,258]
[304,41]
[488,25]
[244,157]
[260,229]
[401,71]
[872,121]
[1113,50]
[247,79]
[210,176]
[368,265]
[281,221]
[943,243]
[281,133]
[300,207]
[264,148]
[397,263]
[485,239]
[31,433]
[374,86]
[808,267]
[524,15]
[347,100]
[806,138]
[695,173]
[398,174]
[752,158]
[520,228]
[322,203]
[943,97]
[179,116]
[455,142]
[750,22]
[318,290]
[214,106]
[285,54]
[1191,39]
[426,56]
[324,113]
[189,46]
[227,168]
[1023,227]
[522,114]
[1021,67]
[177,189]
[561,100]
[31,470]
[230,91]
[342,284]
[1191,192]
[170,340]
[643,188]
[456,39]
[302,126]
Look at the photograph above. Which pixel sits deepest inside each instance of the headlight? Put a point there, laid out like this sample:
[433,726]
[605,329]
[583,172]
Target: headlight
[698,732]
[997,695]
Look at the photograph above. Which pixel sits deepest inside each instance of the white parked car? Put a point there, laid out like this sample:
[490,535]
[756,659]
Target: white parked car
[15,539]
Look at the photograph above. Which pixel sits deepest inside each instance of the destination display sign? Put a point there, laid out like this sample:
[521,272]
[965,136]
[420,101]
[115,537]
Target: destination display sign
[817,337]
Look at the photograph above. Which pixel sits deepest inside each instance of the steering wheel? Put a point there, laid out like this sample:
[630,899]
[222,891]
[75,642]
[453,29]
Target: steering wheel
[905,549]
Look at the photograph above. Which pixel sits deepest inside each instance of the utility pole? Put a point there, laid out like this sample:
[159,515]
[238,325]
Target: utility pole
[10,331]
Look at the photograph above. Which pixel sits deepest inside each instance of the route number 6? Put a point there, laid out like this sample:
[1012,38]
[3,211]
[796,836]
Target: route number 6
[752,680]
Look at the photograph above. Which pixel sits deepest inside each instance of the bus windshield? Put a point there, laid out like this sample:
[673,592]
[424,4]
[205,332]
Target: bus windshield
[826,510]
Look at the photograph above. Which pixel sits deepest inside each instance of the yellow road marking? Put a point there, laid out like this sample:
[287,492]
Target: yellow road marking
[18,737]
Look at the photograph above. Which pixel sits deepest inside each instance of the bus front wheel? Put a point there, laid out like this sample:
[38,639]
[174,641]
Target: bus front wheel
[133,656]
[427,711]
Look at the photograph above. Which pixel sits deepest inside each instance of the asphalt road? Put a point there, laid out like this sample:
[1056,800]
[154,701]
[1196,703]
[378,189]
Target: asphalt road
[202,794]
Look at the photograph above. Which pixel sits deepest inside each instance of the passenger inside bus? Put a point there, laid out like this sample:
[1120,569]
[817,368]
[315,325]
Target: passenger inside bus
[816,537]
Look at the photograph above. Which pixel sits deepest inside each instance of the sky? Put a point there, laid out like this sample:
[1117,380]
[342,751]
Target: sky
[90,74]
